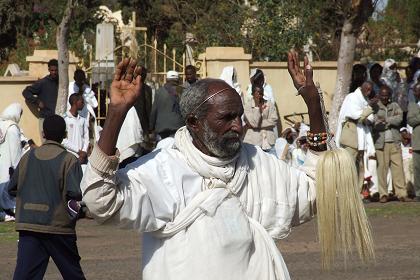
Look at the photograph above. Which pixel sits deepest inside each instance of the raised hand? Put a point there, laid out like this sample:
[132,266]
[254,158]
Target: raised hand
[126,85]
[302,78]
[304,83]
[125,89]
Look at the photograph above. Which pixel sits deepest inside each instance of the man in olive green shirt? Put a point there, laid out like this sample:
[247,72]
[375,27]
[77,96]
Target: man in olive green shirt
[387,139]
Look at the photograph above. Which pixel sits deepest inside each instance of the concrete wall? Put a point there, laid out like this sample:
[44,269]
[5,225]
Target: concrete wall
[11,91]
[288,103]
[11,88]
[38,63]
[216,58]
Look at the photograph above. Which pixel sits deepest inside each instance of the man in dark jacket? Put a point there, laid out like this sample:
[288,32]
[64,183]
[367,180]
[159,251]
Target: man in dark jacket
[43,93]
[165,118]
[46,184]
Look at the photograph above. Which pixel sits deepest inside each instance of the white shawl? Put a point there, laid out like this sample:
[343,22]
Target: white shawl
[352,108]
[10,146]
[229,75]
[217,173]
[131,135]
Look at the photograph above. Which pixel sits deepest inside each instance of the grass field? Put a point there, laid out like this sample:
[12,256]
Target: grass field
[7,232]
[393,209]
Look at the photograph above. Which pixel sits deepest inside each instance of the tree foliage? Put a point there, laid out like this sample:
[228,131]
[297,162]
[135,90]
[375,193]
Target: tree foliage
[29,24]
[265,28]
[389,34]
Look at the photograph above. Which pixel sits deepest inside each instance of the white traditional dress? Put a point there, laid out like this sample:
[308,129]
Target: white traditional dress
[131,135]
[10,137]
[203,217]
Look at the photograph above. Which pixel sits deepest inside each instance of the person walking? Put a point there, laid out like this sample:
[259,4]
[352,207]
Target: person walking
[46,184]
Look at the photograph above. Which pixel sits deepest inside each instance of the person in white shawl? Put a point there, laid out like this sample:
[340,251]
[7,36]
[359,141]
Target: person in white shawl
[10,151]
[392,79]
[130,137]
[257,77]
[10,139]
[354,112]
[230,76]
[352,132]
[210,204]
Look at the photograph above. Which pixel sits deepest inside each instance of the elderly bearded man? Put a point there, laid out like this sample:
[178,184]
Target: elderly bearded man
[209,205]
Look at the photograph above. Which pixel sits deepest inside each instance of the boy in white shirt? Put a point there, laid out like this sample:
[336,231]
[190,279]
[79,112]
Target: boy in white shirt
[77,140]
[407,155]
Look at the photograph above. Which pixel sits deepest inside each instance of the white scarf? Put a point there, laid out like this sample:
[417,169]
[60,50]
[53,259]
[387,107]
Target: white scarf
[230,77]
[216,172]
[9,117]
[353,105]
[131,135]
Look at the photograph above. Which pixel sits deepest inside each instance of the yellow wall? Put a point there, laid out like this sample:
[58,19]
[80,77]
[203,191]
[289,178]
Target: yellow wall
[277,76]
[11,91]
[11,88]
[216,58]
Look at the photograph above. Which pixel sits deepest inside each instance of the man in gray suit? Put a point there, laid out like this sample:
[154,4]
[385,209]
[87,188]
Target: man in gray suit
[413,119]
[387,139]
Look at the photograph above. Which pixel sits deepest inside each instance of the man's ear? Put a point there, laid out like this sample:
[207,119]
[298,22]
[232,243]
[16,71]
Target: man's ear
[192,122]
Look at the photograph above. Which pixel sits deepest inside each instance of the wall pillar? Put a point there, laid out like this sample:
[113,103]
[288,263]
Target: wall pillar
[38,63]
[216,58]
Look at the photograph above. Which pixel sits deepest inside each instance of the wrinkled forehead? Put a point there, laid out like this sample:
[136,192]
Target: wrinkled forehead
[227,97]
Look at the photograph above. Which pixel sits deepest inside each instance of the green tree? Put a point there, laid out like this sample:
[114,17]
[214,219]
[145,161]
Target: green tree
[274,27]
[36,22]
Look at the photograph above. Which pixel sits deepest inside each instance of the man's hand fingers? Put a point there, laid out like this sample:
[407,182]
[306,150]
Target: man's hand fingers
[121,69]
[130,70]
[137,74]
[308,72]
[296,61]
[290,66]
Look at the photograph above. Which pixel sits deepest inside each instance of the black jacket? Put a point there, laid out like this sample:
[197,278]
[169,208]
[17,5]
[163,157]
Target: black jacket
[45,90]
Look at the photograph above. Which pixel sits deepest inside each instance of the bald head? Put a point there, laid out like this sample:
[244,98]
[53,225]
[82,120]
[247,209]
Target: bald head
[366,88]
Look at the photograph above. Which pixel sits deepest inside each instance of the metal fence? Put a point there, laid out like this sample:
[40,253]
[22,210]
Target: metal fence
[157,61]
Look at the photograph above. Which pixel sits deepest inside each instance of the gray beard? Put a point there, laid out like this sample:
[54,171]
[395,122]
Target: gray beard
[223,147]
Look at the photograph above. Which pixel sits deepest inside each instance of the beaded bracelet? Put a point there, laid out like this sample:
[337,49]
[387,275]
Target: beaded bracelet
[316,136]
[316,144]
[316,139]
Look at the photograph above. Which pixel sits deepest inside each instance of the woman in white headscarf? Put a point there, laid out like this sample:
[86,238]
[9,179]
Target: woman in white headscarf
[10,139]
[230,76]
[257,77]
[10,153]
[392,79]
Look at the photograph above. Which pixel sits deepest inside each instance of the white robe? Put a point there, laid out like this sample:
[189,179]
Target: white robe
[131,135]
[204,227]
[352,108]
[10,146]
[90,104]
[229,75]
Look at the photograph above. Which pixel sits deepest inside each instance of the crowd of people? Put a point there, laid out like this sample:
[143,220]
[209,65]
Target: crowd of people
[379,125]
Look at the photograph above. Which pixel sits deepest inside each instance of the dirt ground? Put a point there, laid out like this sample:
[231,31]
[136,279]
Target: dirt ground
[110,253]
